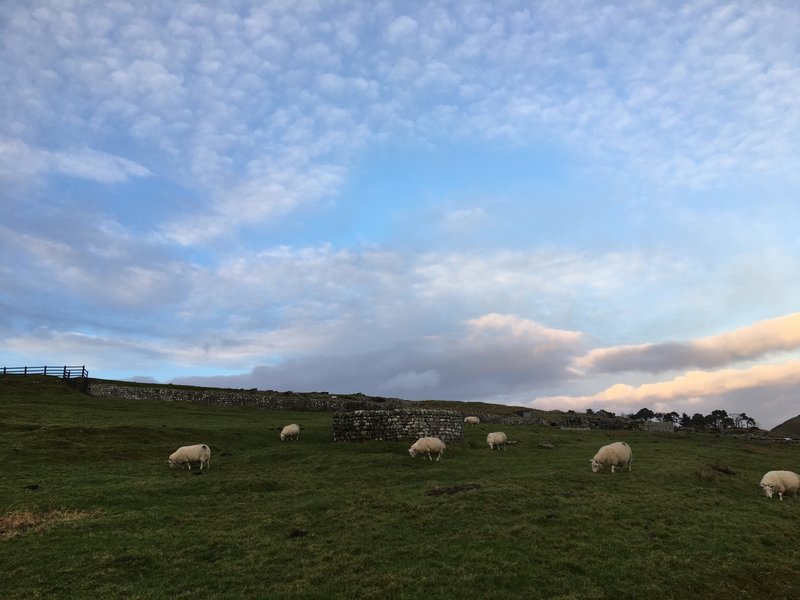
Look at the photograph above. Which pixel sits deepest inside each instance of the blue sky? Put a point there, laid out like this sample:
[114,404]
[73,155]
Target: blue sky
[548,204]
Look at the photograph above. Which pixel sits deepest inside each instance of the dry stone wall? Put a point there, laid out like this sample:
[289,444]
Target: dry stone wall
[397,425]
[227,397]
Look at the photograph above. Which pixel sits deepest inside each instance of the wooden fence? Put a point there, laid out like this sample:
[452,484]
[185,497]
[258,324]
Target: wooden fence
[65,372]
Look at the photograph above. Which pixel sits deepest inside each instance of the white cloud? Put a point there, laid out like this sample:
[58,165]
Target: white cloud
[20,161]
[400,28]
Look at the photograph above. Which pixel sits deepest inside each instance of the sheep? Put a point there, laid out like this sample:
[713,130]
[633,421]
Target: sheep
[497,440]
[428,445]
[291,432]
[472,420]
[780,482]
[613,455]
[199,453]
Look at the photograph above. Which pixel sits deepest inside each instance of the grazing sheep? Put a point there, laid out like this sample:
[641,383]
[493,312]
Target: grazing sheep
[497,440]
[613,455]
[472,420]
[428,446]
[780,482]
[291,432]
[199,453]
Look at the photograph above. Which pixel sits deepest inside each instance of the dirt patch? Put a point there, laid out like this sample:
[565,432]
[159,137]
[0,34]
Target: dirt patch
[724,469]
[440,491]
[20,522]
[713,472]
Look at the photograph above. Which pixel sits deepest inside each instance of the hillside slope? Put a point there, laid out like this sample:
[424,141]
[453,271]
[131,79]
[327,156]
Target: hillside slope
[790,428]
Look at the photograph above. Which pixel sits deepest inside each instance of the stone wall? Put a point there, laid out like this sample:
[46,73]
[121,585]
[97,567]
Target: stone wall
[576,421]
[657,426]
[397,425]
[317,401]
[508,419]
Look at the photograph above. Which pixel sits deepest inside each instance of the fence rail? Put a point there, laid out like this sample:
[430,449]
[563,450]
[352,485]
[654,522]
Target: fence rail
[65,372]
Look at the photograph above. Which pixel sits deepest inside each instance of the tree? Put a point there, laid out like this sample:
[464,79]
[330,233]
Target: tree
[686,420]
[670,417]
[698,421]
[741,420]
[644,414]
[716,418]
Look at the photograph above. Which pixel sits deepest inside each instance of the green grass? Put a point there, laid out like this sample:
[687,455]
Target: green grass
[315,519]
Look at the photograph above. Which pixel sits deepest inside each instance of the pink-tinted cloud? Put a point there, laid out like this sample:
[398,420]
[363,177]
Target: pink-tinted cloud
[780,334]
[692,388]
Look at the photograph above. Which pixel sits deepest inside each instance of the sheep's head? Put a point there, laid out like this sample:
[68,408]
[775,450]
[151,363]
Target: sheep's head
[413,452]
[768,489]
[171,463]
[596,465]
[283,437]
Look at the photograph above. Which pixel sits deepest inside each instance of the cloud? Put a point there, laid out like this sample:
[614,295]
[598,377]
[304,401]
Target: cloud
[20,161]
[412,381]
[488,355]
[746,343]
[699,389]
[218,98]
[401,27]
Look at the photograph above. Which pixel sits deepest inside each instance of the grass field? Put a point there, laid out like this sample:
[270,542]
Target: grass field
[90,509]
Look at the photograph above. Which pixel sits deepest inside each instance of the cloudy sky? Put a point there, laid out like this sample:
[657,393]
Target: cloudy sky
[550,204]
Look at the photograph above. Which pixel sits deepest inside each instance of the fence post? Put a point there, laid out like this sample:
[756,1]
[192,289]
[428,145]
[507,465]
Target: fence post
[24,370]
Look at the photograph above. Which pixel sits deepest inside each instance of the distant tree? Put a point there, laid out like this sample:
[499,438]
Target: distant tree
[670,417]
[686,420]
[589,411]
[741,420]
[659,416]
[716,418]
[698,421]
[644,414]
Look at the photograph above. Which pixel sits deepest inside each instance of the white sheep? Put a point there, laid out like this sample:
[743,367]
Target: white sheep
[472,420]
[291,432]
[613,455]
[428,446]
[198,453]
[497,440]
[780,482]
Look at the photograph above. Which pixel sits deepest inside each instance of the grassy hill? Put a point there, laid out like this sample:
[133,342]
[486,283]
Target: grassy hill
[89,508]
[790,428]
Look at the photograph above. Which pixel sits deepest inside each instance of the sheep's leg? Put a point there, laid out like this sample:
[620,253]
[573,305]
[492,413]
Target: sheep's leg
[612,468]
[780,495]
[438,457]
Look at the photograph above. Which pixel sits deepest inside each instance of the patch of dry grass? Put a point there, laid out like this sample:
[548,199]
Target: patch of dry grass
[19,522]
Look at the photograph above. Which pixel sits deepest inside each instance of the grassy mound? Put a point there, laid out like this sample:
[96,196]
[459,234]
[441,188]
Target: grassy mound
[790,428]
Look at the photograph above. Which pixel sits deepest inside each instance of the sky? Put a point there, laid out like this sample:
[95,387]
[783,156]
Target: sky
[558,205]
